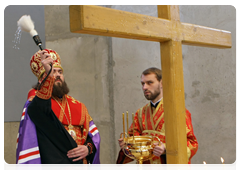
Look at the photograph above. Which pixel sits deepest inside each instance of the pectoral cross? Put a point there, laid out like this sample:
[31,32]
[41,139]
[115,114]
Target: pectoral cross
[171,33]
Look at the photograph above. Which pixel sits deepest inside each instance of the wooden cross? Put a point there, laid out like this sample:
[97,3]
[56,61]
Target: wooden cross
[171,33]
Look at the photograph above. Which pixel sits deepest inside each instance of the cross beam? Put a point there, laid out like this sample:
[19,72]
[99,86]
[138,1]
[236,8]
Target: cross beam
[171,33]
[102,21]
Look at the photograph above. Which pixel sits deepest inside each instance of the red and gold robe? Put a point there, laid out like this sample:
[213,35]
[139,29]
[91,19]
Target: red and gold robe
[149,120]
[79,115]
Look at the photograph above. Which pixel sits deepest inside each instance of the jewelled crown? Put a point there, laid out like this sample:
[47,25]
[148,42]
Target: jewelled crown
[36,65]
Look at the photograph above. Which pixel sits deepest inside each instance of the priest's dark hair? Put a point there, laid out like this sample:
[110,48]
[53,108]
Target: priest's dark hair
[155,71]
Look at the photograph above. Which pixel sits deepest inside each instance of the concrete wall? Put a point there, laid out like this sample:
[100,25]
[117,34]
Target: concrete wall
[17,53]
[210,86]
[104,74]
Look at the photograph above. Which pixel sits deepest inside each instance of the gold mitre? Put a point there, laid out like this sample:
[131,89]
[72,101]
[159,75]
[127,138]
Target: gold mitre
[36,65]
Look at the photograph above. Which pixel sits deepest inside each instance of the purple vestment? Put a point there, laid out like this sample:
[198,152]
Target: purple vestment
[27,143]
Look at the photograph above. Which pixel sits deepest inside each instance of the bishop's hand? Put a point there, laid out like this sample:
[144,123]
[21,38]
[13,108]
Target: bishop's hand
[46,60]
[79,152]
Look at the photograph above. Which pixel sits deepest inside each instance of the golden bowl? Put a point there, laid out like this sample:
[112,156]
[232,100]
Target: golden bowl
[139,147]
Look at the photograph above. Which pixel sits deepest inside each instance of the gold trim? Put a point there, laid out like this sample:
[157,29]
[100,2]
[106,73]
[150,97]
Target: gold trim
[63,103]
[188,153]
[90,118]
[157,109]
[152,131]
[151,117]
[83,115]
[140,118]
[146,125]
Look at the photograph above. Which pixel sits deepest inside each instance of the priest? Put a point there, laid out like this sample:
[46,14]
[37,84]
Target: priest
[149,120]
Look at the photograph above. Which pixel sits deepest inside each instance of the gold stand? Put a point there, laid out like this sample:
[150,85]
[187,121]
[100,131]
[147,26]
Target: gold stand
[139,148]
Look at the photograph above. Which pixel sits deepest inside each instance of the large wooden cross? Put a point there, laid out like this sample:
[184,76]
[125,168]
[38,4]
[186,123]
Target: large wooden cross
[171,33]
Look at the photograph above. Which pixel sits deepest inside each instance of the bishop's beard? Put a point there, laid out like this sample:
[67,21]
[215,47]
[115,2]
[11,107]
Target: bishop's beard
[60,90]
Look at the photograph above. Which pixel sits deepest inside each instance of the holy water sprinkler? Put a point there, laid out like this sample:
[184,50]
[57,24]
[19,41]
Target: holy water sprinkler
[26,24]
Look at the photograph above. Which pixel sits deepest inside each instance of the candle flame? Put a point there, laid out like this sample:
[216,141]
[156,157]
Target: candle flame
[222,159]
[204,162]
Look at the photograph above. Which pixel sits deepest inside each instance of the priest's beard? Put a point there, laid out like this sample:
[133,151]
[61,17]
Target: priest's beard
[60,90]
[153,95]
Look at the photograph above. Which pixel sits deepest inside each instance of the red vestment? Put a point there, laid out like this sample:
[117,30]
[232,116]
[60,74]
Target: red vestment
[149,120]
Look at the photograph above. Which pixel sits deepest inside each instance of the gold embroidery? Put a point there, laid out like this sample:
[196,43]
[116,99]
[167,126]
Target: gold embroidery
[31,98]
[34,66]
[140,118]
[145,111]
[46,93]
[90,118]
[63,104]
[161,117]
[46,84]
[53,56]
[73,100]
[162,132]
[43,90]
[83,115]
[151,116]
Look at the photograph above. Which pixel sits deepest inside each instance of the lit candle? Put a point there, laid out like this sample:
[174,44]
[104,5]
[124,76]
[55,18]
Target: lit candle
[127,121]
[223,163]
[123,126]
[205,165]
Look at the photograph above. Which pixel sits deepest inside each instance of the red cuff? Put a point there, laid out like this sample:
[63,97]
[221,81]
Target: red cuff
[90,148]
[46,90]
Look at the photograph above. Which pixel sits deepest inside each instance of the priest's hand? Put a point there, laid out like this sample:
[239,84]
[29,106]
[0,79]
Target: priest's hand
[158,150]
[79,152]
[46,60]
[121,143]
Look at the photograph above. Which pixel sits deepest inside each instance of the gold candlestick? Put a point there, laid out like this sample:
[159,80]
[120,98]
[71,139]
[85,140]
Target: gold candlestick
[127,121]
[223,164]
[205,165]
[123,126]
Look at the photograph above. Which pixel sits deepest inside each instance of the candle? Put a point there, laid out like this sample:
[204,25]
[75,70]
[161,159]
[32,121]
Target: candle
[127,121]
[123,126]
[205,165]
[223,164]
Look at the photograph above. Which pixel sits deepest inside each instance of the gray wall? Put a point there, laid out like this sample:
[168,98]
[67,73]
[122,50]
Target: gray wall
[18,77]
[104,74]
[210,85]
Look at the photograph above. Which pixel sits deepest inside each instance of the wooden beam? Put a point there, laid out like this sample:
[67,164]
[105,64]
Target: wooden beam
[173,91]
[109,22]
[205,36]
[174,102]
[102,21]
